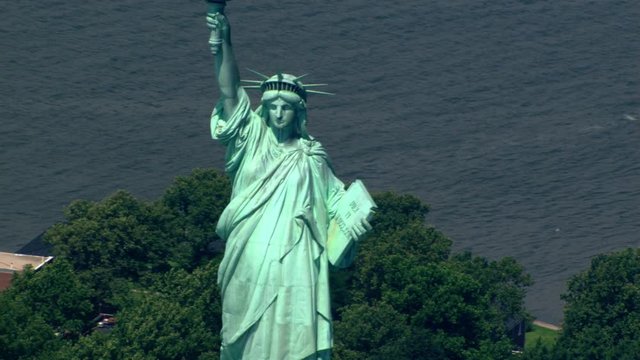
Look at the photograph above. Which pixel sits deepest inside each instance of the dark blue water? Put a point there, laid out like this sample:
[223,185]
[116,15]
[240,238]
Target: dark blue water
[518,121]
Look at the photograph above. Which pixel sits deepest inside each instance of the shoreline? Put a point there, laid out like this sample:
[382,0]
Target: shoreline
[547,325]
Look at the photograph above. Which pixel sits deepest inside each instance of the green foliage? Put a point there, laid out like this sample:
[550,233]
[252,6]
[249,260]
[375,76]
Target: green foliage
[159,327]
[176,318]
[395,211]
[23,334]
[109,251]
[41,308]
[55,293]
[154,264]
[546,337]
[433,305]
[117,238]
[502,282]
[538,350]
[195,203]
[197,289]
[602,315]
[403,216]
[122,240]
[383,335]
[119,233]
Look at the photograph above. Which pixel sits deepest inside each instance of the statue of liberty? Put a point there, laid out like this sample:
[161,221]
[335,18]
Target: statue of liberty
[285,205]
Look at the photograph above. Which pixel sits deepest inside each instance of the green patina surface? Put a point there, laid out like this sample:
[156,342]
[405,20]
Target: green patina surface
[280,223]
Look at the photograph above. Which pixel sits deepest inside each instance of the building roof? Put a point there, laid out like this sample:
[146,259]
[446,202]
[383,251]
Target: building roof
[17,262]
[11,263]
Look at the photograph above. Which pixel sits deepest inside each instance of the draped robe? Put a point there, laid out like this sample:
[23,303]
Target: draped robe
[274,275]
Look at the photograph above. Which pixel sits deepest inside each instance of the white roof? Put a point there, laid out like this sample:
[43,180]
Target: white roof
[17,262]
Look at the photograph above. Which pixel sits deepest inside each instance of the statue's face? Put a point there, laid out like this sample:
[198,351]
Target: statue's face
[281,113]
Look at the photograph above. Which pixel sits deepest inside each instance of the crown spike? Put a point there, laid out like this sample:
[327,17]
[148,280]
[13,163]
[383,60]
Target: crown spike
[310,85]
[251,86]
[252,81]
[301,76]
[259,74]
[320,92]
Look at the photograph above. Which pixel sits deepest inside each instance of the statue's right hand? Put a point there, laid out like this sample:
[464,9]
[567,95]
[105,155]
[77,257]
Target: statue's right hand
[219,27]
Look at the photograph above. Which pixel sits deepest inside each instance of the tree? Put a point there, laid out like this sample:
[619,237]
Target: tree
[538,351]
[108,250]
[194,204]
[154,264]
[433,305]
[120,235]
[121,241]
[178,317]
[42,308]
[23,334]
[111,243]
[385,334]
[57,294]
[602,313]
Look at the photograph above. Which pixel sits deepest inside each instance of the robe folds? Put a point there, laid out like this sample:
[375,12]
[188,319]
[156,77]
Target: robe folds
[274,277]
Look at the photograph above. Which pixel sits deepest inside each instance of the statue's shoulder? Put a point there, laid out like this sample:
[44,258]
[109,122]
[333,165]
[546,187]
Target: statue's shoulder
[316,153]
[312,147]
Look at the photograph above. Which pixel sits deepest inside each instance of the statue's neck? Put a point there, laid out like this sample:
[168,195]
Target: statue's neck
[283,136]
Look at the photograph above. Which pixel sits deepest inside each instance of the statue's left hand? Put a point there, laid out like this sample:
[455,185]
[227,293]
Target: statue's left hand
[360,230]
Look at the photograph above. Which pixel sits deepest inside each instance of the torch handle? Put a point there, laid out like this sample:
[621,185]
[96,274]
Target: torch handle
[215,7]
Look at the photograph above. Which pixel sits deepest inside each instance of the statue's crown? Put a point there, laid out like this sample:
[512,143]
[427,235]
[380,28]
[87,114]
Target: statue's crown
[284,82]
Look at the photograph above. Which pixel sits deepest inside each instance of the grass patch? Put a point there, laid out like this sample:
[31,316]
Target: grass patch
[547,337]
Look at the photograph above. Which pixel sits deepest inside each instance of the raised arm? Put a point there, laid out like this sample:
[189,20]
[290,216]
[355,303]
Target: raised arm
[227,73]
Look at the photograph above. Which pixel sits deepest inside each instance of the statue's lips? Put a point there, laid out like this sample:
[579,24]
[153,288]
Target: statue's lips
[280,122]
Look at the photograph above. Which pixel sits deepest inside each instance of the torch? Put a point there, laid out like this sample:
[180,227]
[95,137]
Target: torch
[215,7]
